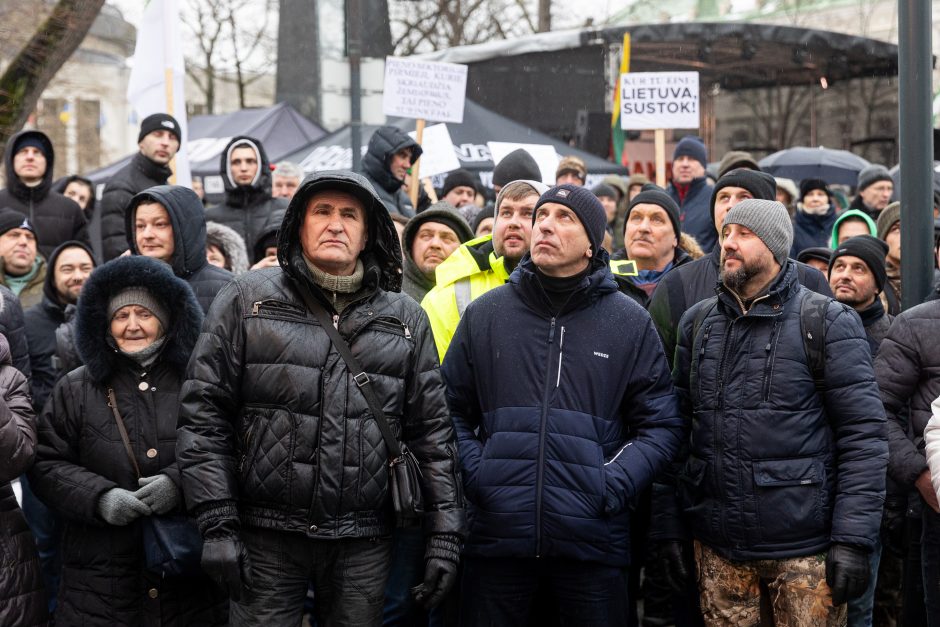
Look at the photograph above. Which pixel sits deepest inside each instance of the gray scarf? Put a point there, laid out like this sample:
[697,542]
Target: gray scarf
[146,356]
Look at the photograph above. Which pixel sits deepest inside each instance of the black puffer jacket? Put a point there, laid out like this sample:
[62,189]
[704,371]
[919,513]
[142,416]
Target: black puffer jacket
[22,597]
[385,142]
[694,282]
[189,239]
[247,207]
[13,328]
[55,217]
[774,468]
[81,456]
[42,322]
[272,426]
[141,173]
[908,372]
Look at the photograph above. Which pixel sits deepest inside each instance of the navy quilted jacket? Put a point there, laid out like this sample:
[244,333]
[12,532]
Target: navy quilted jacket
[774,469]
[575,415]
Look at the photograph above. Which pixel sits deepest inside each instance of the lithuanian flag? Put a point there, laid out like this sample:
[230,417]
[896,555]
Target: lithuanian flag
[617,136]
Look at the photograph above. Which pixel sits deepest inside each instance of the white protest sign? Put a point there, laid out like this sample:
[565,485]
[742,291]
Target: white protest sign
[659,100]
[424,90]
[544,155]
[437,156]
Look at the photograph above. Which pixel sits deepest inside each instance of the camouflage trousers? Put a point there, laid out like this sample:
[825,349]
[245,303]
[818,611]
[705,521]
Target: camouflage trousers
[795,591]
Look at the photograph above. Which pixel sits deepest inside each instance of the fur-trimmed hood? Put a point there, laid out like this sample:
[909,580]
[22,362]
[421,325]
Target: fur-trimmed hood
[189,225]
[92,325]
[382,256]
[231,243]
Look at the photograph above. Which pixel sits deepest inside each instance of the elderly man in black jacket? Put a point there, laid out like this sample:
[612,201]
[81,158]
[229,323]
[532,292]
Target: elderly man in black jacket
[29,161]
[279,451]
[159,140]
[786,460]
[166,222]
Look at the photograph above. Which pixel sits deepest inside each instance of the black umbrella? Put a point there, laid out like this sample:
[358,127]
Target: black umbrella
[801,162]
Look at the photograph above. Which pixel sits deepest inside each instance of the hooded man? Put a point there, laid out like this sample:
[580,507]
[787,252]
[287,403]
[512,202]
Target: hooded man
[29,161]
[386,165]
[159,140]
[22,268]
[561,424]
[246,175]
[690,190]
[694,282]
[814,218]
[430,238]
[314,477]
[482,263]
[167,222]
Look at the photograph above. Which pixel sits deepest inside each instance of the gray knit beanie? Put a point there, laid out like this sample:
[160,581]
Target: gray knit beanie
[139,296]
[872,174]
[768,220]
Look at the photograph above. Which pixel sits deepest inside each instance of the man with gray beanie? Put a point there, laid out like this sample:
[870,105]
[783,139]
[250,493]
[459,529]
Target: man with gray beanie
[561,423]
[874,190]
[781,481]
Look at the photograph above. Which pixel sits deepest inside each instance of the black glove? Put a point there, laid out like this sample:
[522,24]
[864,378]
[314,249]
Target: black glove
[677,564]
[847,572]
[440,571]
[225,560]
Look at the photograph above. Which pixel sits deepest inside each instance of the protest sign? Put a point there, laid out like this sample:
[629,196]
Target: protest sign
[424,90]
[438,154]
[659,100]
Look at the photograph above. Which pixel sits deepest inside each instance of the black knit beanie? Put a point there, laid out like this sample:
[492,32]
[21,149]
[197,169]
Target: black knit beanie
[808,185]
[761,185]
[12,219]
[160,122]
[585,205]
[654,195]
[869,249]
[460,178]
[517,165]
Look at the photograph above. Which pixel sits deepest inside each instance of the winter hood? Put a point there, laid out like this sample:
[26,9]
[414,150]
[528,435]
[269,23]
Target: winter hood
[16,187]
[261,185]
[92,324]
[385,142]
[231,244]
[382,256]
[48,287]
[851,213]
[189,225]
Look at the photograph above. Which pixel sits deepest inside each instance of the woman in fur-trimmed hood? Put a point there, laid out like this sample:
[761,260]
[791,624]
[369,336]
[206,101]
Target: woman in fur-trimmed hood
[136,325]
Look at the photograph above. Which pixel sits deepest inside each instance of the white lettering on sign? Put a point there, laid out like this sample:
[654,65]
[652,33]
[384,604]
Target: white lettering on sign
[654,100]
[424,89]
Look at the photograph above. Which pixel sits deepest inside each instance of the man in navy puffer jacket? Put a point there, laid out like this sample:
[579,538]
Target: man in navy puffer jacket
[775,472]
[560,423]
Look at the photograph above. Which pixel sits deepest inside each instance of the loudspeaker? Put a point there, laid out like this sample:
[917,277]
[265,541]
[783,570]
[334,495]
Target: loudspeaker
[592,132]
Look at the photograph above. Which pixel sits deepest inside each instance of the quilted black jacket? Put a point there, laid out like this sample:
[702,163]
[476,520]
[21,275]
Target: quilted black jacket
[272,427]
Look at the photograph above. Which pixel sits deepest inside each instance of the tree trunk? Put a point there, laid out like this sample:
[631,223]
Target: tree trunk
[37,63]
[545,16]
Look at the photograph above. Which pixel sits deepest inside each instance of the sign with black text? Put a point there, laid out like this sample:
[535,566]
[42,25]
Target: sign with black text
[424,90]
[659,100]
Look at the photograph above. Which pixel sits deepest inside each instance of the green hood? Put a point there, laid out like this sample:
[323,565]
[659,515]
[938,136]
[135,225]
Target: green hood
[851,213]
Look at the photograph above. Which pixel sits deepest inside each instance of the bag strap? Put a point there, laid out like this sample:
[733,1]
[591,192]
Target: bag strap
[112,403]
[359,376]
[813,309]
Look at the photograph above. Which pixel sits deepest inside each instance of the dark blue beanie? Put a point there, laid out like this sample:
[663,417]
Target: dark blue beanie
[691,146]
[585,205]
[31,140]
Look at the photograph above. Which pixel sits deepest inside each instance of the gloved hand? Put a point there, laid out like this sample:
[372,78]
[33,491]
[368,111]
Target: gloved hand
[847,572]
[677,563]
[440,571]
[225,560]
[121,507]
[159,493]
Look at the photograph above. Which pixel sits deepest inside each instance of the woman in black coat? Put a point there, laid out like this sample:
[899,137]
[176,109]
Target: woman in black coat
[136,325]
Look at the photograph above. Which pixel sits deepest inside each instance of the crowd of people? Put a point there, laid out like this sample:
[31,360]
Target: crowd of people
[623,404]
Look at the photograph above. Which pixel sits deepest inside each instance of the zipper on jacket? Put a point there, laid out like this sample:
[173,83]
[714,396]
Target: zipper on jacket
[277,307]
[719,403]
[561,352]
[336,321]
[698,365]
[539,469]
[769,349]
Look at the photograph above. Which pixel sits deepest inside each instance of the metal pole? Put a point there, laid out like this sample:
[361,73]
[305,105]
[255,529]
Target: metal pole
[353,53]
[914,72]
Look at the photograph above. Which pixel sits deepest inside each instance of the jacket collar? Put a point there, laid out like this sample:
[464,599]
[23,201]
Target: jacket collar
[153,171]
[598,282]
[769,303]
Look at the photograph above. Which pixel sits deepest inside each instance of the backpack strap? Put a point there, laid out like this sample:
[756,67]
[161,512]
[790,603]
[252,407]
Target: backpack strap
[813,309]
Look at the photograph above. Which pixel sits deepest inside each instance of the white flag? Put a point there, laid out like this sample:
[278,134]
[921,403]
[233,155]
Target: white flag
[158,57]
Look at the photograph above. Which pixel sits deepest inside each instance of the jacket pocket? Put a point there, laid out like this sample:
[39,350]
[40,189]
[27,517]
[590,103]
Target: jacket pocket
[267,451]
[788,495]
